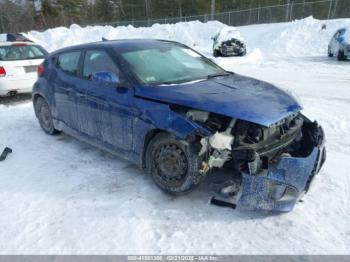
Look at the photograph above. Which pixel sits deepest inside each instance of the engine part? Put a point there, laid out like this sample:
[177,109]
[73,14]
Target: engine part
[218,158]
[199,116]
[221,141]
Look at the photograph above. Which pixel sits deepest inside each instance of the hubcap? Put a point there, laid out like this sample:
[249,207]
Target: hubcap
[171,164]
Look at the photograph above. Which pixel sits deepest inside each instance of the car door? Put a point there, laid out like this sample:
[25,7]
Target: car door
[335,43]
[64,84]
[105,110]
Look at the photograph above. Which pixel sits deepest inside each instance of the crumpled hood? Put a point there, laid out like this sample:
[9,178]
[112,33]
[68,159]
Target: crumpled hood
[235,96]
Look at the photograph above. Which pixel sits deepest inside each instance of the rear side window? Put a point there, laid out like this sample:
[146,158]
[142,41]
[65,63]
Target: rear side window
[98,61]
[69,62]
[21,52]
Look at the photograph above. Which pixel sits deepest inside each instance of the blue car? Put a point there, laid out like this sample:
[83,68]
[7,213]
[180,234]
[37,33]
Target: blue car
[178,115]
[339,45]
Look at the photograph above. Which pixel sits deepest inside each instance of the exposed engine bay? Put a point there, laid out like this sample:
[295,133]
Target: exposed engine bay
[249,148]
[247,144]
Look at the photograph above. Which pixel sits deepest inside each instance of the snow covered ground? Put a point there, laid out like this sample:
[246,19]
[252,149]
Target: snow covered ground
[61,196]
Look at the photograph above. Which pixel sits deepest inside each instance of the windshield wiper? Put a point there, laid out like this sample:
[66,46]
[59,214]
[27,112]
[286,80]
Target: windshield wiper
[219,74]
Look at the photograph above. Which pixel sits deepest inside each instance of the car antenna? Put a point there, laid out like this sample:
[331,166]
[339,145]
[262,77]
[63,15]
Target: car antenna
[104,39]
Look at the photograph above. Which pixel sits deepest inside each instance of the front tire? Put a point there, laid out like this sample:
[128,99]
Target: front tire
[43,113]
[329,52]
[217,53]
[173,164]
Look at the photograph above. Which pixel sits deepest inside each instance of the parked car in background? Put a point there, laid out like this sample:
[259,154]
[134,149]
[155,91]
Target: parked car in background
[178,115]
[12,37]
[339,45]
[229,42]
[18,65]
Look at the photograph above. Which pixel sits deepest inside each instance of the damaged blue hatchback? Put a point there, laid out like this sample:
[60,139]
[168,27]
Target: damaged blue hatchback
[178,115]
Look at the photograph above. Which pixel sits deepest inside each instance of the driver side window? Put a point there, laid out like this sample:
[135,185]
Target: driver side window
[98,61]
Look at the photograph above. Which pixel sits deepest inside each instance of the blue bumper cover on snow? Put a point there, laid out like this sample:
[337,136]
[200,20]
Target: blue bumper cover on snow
[279,188]
[282,185]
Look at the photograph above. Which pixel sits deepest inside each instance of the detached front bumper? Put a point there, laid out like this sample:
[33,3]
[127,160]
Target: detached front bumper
[282,185]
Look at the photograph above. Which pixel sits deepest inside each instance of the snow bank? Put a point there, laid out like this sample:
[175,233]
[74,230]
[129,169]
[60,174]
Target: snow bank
[299,38]
[61,196]
[190,33]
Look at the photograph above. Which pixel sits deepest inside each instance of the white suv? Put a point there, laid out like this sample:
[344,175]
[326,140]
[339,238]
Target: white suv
[18,66]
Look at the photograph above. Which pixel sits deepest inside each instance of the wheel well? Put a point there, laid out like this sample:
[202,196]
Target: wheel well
[148,137]
[36,96]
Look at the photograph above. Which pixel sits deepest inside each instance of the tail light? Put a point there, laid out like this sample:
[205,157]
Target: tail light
[40,70]
[2,71]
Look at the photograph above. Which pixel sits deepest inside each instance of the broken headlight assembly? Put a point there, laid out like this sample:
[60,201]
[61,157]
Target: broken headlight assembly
[270,166]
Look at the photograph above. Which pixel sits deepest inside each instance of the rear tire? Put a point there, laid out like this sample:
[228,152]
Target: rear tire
[173,164]
[341,55]
[43,113]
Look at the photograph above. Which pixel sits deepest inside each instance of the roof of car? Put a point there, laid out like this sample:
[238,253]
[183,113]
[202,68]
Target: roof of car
[114,43]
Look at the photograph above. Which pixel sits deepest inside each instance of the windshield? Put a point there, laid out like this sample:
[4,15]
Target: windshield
[20,52]
[169,63]
[346,34]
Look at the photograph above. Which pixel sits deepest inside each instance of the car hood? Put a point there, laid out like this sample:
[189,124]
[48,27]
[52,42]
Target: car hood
[235,96]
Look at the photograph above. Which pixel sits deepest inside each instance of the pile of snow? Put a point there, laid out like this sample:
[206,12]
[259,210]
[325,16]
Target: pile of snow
[190,33]
[299,38]
[62,196]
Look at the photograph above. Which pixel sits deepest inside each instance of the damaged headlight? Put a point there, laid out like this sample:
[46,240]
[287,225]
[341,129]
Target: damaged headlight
[197,115]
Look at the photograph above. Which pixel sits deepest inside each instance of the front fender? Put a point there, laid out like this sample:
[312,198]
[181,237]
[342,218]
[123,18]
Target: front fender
[155,115]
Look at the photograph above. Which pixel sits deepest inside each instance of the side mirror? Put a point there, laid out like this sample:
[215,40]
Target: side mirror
[105,77]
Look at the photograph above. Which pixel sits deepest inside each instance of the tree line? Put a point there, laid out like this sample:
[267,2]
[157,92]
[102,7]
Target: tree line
[25,15]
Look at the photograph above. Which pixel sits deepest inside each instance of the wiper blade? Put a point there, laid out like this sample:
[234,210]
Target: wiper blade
[217,75]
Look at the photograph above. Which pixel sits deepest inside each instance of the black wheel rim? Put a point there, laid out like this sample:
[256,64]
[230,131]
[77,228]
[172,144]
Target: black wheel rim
[171,165]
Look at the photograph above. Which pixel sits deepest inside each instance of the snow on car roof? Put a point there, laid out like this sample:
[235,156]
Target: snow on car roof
[229,32]
[3,37]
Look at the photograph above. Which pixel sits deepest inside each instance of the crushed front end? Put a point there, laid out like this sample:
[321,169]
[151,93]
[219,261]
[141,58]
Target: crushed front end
[232,47]
[272,167]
